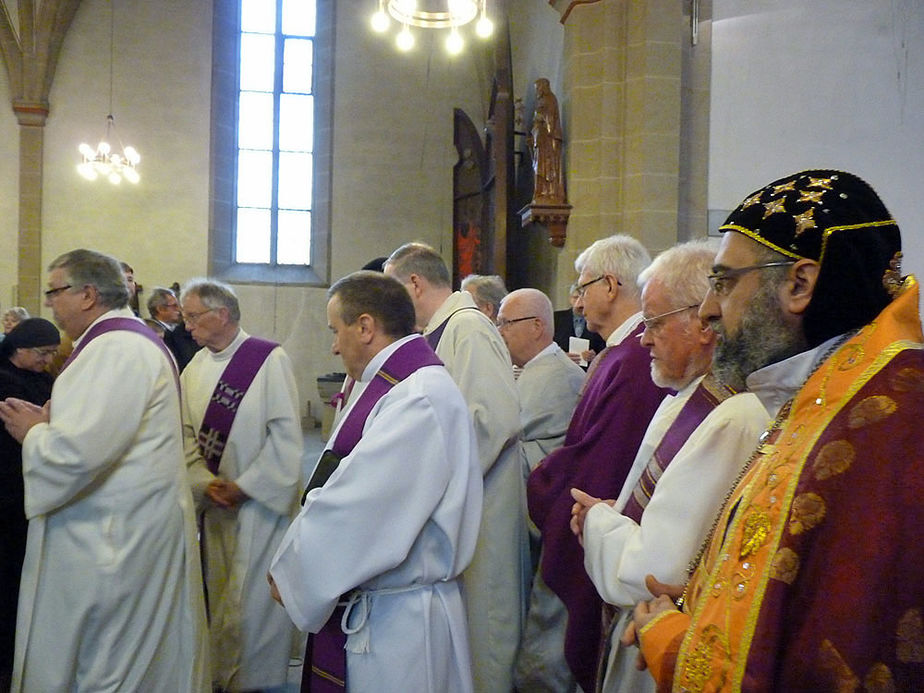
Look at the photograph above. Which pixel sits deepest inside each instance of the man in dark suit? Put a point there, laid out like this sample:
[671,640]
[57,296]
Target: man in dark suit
[570,323]
[165,309]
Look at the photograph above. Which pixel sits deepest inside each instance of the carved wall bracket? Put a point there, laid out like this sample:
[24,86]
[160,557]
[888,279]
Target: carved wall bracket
[554,217]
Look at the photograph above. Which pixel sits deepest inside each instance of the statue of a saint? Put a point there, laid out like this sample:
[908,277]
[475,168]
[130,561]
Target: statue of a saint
[545,145]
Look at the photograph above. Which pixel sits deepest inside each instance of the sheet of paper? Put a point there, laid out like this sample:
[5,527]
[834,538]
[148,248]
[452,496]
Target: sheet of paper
[578,345]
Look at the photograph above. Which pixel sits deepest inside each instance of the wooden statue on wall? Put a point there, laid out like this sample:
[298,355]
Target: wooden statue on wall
[549,206]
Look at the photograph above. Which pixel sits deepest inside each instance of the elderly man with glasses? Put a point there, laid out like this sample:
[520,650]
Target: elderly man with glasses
[111,587]
[694,446]
[603,436]
[813,578]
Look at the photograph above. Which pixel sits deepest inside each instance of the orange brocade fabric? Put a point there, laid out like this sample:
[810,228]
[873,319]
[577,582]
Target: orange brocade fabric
[814,579]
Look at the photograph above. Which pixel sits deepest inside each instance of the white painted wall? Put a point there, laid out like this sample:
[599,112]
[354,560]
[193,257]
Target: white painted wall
[825,84]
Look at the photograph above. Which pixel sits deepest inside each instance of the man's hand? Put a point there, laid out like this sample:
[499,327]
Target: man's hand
[274,591]
[665,596]
[225,494]
[582,503]
[19,416]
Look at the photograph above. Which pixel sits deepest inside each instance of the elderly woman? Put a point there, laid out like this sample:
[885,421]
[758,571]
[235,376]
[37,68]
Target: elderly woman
[13,317]
[24,354]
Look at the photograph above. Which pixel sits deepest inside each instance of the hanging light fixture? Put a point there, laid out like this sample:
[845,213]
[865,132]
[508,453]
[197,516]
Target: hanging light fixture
[432,14]
[104,161]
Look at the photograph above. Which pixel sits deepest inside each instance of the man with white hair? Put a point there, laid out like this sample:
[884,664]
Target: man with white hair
[696,443]
[487,289]
[243,442]
[549,385]
[611,416]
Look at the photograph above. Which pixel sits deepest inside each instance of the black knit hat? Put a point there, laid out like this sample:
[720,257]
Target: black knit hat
[838,220]
[33,332]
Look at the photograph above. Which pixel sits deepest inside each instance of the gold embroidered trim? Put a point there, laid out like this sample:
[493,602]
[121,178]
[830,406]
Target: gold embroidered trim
[755,532]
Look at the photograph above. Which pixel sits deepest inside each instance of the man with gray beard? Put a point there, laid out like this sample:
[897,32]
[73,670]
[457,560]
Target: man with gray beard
[813,578]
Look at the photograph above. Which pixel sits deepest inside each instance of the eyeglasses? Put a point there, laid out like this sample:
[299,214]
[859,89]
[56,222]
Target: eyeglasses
[655,323]
[44,353]
[501,324]
[194,317]
[723,282]
[582,288]
[57,290]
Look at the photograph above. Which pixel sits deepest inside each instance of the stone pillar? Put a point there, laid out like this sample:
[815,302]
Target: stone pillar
[622,95]
[31,117]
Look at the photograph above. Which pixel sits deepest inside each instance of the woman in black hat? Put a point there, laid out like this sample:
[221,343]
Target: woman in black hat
[24,355]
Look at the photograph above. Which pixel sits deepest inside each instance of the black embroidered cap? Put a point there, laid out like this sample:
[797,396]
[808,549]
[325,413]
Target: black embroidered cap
[838,220]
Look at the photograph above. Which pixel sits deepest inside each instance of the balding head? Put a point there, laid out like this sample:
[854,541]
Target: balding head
[525,323]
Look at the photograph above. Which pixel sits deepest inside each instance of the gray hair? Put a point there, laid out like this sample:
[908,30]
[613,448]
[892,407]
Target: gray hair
[682,271]
[158,299]
[486,289]
[213,294]
[537,303]
[619,255]
[91,268]
[18,313]
[420,259]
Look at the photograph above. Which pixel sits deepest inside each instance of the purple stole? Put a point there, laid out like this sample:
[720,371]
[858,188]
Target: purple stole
[433,339]
[324,668]
[226,398]
[128,325]
[706,397]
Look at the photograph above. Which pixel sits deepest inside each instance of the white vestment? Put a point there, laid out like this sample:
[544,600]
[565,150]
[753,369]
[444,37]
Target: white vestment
[549,387]
[397,521]
[495,584]
[111,596]
[251,636]
[619,553]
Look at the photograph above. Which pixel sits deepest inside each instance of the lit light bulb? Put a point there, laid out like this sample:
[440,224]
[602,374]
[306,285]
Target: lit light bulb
[87,171]
[132,155]
[454,42]
[380,22]
[103,147]
[405,39]
[115,178]
[86,150]
[131,175]
[484,28]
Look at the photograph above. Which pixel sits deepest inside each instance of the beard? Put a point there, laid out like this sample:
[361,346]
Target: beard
[763,337]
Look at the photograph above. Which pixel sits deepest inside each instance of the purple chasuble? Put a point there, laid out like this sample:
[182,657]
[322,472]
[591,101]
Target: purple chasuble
[324,668]
[127,325]
[706,397]
[603,437]
[226,398]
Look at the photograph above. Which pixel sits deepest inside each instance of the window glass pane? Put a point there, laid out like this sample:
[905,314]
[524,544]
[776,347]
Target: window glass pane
[254,178]
[296,122]
[298,17]
[253,235]
[296,71]
[258,15]
[294,181]
[294,238]
[255,121]
[258,62]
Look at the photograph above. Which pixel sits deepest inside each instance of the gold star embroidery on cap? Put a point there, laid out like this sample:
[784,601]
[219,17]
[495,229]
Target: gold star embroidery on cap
[783,187]
[774,206]
[820,183]
[752,200]
[813,196]
[804,221]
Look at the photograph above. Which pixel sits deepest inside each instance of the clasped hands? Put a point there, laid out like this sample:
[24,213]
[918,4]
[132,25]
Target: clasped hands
[665,595]
[225,493]
[19,416]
